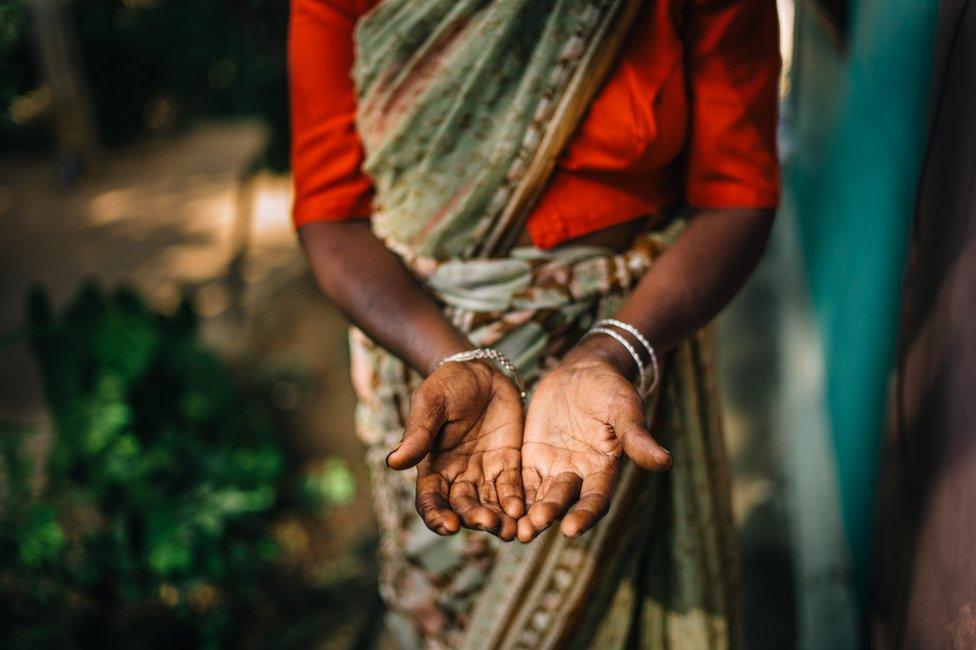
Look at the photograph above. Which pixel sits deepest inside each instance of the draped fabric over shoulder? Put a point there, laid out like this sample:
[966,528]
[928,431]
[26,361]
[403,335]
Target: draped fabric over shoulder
[454,98]
[460,104]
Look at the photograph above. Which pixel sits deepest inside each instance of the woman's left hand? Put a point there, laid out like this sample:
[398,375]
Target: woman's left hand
[585,414]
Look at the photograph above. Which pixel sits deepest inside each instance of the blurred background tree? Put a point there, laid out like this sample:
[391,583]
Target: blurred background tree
[18,74]
[154,65]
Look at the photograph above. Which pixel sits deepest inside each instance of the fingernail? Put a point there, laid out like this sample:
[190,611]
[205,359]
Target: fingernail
[668,460]
[394,450]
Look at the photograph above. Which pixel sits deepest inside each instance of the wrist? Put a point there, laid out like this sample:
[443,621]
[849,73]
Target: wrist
[436,354]
[603,349]
[493,359]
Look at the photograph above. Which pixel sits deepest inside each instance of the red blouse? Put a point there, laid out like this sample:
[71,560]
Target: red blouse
[688,116]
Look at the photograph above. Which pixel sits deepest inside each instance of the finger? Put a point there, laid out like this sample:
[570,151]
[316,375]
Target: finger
[507,528]
[531,480]
[489,496]
[554,502]
[427,416]
[594,502]
[644,450]
[629,425]
[525,531]
[508,487]
[486,494]
[464,501]
[433,506]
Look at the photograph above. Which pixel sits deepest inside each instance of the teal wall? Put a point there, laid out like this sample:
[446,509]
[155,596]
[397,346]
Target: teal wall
[860,129]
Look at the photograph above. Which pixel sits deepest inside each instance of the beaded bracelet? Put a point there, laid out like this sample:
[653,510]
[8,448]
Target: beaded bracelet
[492,355]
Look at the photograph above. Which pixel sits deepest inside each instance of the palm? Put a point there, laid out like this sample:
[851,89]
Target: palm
[469,418]
[583,417]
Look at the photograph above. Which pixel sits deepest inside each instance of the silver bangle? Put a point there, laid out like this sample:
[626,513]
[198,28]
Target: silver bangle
[651,354]
[624,342]
[491,355]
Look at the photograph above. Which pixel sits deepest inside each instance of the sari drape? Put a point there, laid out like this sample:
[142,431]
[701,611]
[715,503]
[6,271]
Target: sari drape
[458,99]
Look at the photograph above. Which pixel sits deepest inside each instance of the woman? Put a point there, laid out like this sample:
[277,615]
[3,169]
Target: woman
[499,175]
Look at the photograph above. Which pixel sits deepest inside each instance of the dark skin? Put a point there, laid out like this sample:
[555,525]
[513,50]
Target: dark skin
[483,461]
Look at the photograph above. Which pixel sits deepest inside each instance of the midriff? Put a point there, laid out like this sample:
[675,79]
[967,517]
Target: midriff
[616,238]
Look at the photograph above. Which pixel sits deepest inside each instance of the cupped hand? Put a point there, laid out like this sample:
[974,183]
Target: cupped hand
[464,433]
[584,416]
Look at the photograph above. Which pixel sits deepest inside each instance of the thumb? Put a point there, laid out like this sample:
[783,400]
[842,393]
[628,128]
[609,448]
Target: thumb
[639,445]
[427,416]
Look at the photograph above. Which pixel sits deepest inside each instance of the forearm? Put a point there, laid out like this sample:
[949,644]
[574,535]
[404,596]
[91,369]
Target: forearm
[693,280]
[378,294]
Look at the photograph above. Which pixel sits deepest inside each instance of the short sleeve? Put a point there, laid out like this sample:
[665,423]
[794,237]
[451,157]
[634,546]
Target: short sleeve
[734,67]
[326,152]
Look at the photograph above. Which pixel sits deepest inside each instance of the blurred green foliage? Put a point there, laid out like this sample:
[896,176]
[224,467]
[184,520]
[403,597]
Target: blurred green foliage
[333,484]
[154,64]
[152,521]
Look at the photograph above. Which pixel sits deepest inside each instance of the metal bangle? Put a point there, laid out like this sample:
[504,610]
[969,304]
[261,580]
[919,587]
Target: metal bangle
[624,342]
[491,355]
[651,354]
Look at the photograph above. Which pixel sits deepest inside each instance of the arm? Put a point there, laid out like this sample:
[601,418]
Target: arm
[380,297]
[590,394]
[585,414]
[465,425]
[333,197]
[733,62]
[692,281]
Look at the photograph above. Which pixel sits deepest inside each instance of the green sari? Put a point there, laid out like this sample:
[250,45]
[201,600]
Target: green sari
[461,107]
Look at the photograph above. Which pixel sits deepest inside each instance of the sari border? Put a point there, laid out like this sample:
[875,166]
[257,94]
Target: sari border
[582,66]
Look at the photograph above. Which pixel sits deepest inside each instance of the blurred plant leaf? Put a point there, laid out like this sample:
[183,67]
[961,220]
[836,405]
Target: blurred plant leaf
[331,484]
[40,538]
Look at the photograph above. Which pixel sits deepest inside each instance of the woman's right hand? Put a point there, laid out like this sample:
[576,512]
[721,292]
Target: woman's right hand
[464,433]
